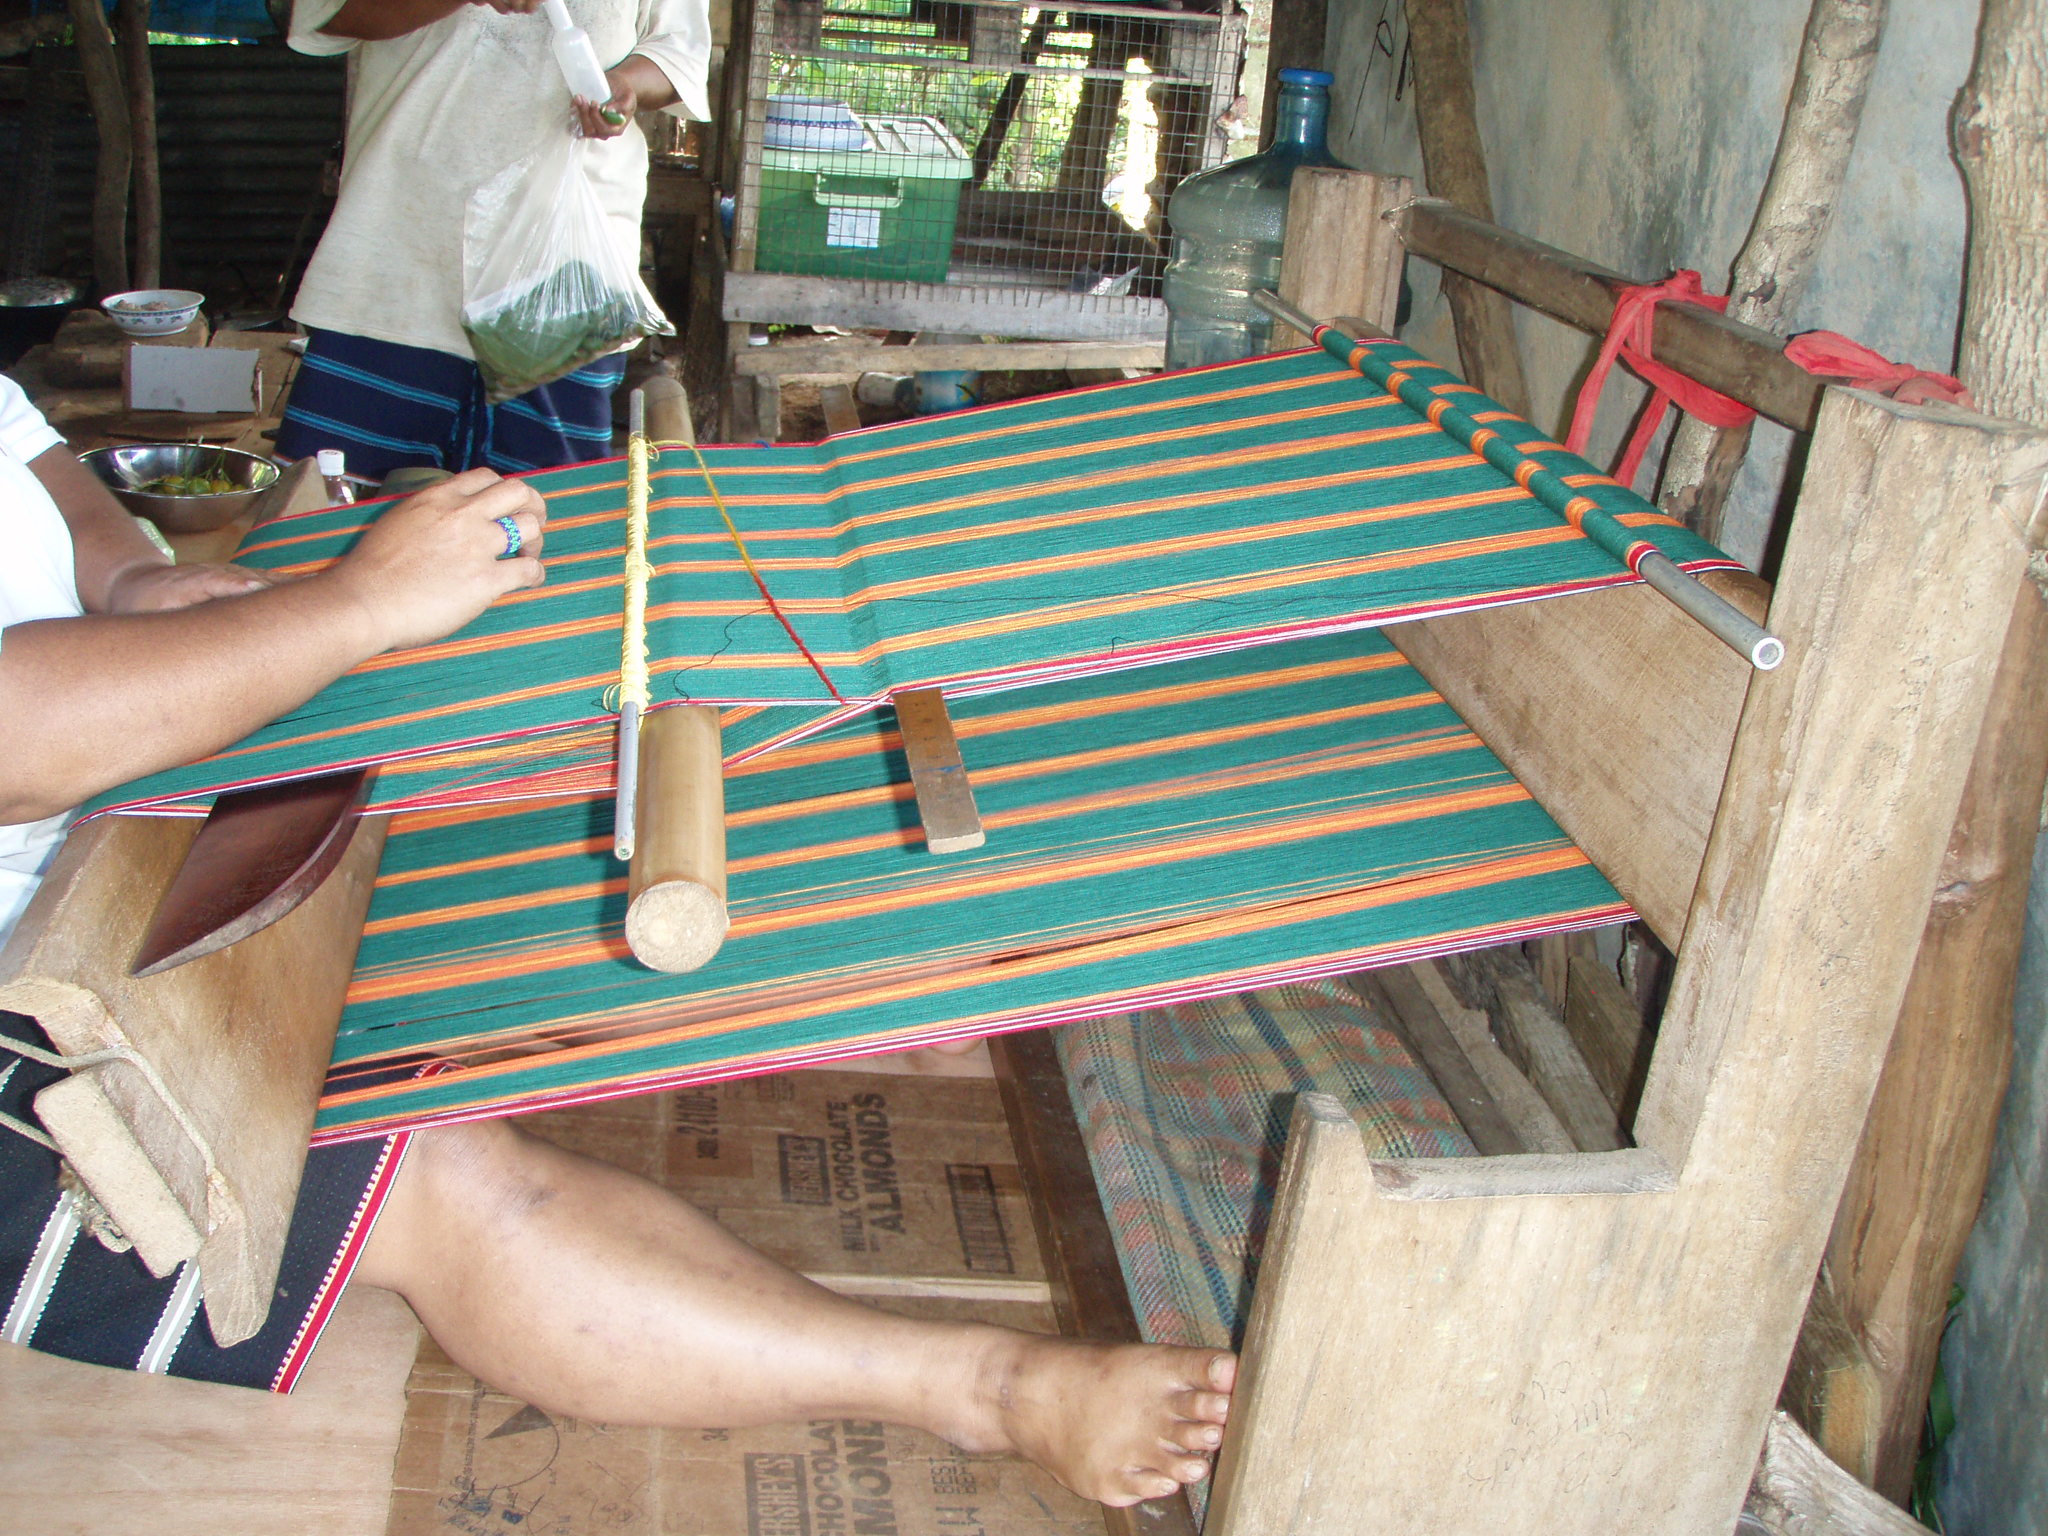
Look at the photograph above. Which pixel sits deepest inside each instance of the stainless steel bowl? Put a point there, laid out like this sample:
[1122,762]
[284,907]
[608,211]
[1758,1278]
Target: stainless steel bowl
[123,469]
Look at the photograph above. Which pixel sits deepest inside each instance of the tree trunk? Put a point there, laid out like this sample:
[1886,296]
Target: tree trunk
[133,18]
[1836,61]
[110,114]
[1454,166]
[1913,1195]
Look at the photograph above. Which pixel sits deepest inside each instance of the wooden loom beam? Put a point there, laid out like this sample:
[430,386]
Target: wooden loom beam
[1565,1341]
[1739,360]
[240,1039]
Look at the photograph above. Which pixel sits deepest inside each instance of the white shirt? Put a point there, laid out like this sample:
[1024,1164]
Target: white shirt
[37,581]
[436,113]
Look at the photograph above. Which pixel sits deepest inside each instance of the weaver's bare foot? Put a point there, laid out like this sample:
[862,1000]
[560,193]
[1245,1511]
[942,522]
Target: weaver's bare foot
[1114,1423]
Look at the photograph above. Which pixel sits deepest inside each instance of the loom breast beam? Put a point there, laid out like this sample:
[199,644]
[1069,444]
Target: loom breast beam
[945,797]
[194,1136]
[259,853]
[675,892]
[1722,619]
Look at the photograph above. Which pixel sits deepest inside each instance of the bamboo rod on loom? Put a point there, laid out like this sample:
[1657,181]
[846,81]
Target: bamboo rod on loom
[1714,613]
[671,807]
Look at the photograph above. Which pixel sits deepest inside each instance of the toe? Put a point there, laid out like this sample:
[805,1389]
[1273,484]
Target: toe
[1189,1471]
[1198,1438]
[1222,1372]
[1209,1407]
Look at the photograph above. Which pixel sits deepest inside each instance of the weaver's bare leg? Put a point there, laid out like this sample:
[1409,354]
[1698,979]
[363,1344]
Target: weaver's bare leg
[587,1291]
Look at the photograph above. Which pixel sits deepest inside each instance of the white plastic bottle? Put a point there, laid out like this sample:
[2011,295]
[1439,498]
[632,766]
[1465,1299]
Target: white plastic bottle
[573,51]
[333,467]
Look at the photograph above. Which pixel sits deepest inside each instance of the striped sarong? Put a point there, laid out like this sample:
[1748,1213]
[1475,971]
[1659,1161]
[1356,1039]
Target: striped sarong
[64,1292]
[387,406]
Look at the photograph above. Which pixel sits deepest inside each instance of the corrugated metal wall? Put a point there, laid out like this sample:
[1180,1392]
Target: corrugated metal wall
[243,132]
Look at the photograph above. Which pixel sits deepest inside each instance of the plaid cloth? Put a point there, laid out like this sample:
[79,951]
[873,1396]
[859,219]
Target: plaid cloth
[1185,1110]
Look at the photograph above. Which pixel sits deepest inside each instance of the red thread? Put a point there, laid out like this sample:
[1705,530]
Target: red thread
[1629,338]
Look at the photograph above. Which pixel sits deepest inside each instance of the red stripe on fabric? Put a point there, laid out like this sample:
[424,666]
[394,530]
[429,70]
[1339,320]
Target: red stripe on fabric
[321,1309]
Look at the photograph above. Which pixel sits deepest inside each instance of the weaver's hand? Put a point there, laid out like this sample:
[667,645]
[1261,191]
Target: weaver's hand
[437,560]
[161,588]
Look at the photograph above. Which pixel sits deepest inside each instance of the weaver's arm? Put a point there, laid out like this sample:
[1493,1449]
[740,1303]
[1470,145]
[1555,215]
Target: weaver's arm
[92,702]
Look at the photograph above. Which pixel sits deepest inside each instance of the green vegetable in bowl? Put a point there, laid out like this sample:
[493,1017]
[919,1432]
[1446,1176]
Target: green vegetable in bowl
[189,485]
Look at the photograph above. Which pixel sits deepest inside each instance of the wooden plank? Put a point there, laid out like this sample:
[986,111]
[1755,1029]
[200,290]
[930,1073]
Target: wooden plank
[1914,1195]
[1610,1034]
[1638,793]
[240,1039]
[1536,1041]
[1035,314]
[1608,1361]
[842,413]
[1798,1491]
[1088,1295]
[85,1449]
[1341,256]
[1738,360]
[1454,166]
[945,795]
[1467,1074]
[859,355]
[1832,1388]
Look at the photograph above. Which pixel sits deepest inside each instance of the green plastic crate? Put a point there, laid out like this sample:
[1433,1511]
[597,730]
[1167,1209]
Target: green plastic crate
[885,211]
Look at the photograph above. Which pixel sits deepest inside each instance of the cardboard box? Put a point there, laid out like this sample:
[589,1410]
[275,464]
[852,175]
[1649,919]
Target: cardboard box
[858,1178]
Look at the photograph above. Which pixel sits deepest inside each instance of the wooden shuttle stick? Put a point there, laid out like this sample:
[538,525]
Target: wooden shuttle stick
[675,894]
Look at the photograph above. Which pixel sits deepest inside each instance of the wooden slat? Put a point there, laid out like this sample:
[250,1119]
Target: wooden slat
[945,795]
[1536,1041]
[1738,360]
[856,355]
[1088,1295]
[1402,1004]
[842,414]
[1610,1034]
[1019,313]
[1341,256]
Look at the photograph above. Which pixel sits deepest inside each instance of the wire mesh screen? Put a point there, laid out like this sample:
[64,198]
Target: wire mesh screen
[981,142]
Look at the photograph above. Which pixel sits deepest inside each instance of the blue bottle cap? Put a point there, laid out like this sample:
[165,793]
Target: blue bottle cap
[1320,77]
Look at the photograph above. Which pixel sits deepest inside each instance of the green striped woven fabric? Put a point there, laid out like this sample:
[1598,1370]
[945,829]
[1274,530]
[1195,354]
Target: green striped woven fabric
[1154,835]
[1065,535]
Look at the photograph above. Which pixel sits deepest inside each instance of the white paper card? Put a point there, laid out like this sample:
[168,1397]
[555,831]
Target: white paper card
[199,379]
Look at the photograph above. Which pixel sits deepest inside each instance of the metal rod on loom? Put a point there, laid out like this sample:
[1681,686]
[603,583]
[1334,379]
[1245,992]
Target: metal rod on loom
[632,633]
[1720,618]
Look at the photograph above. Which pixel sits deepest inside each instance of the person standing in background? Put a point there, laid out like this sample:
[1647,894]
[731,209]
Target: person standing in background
[444,94]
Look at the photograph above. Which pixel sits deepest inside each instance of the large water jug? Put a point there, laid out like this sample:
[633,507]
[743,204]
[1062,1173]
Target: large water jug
[1227,227]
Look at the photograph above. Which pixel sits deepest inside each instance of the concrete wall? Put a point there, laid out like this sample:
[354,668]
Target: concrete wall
[1639,133]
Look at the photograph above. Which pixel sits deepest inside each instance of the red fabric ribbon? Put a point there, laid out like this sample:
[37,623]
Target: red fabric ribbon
[1628,337]
[1824,354]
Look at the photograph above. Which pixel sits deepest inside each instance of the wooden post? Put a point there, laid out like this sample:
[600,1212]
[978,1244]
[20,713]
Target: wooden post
[1836,61]
[1454,165]
[109,100]
[1913,1195]
[1341,256]
[133,17]
[1600,1338]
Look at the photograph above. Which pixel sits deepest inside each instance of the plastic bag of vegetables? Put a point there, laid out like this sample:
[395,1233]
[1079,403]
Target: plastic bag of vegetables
[546,284]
